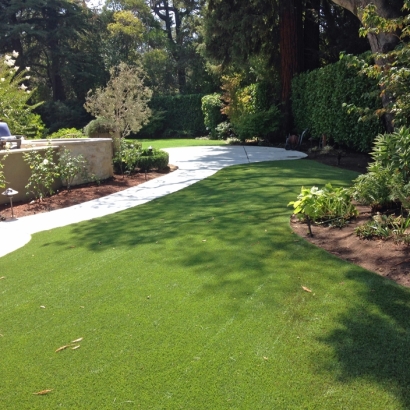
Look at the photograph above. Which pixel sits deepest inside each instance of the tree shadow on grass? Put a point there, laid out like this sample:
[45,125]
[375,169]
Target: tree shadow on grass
[372,340]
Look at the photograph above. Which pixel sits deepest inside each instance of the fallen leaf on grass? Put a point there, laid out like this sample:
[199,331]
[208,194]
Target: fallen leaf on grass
[42,307]
[62,348]
[203,240]
[306,289]
[42,392]
[77,340]
[3,277]
[265,358]
[75,347]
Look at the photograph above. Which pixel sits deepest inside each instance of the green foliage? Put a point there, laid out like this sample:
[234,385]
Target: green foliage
[258,124]
[44,171]
[223,130]
[327,204]
[155,159]
[69,167]
[317,103]
[391,71]
[126,158]
[248,108]
[14,97]
[63,114]
[384,227]
[388,177]
[2,177]
[99,125]
[393,151]
[179,116]
[211,108]
[123,102]
[374,187]
[67,133]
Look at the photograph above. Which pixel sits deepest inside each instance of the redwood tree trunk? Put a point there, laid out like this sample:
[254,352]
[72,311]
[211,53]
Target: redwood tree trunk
[291,52]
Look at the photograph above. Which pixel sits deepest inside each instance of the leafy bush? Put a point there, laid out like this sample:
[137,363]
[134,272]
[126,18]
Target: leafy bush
[67,133]
[388,177]
[328,204]
[374,187]
[258,124]
[393,151]
[155,159]
[126,158]
[179,115]
[44,171]
[211,108]
[69,167]
[98,126]
[317,103]
[385,226]
[224,130]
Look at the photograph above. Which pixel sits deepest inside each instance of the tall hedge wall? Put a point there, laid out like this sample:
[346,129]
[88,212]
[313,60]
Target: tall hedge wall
[175,116]
[317,99]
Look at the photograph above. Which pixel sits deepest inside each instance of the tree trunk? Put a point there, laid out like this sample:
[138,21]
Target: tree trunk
[311,35]
[291,52]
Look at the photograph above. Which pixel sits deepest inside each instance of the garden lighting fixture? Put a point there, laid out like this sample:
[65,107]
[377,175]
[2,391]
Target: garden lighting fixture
[10,192]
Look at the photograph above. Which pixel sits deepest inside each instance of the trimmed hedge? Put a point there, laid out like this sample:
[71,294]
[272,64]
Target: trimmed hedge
[157,159]
[175,116]
[317,99]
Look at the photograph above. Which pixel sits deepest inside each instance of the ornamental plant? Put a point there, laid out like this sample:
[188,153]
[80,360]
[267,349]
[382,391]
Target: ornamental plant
[44,171]
[69,167]
[123,102]
[126,158]
[2,177]
[14,97]
[329,204]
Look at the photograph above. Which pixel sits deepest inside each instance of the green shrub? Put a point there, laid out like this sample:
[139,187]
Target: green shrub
[126,157]
[179,115]
[69,167]
[67,133]
[44,171]
[223,130]
[393,151]
[155,159]
[259,124]
[328,204]
[98,126]
[388,177]
[211,108]
[317,104]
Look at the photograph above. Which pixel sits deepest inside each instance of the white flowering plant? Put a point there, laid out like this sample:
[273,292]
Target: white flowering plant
[15,93]
[44,171]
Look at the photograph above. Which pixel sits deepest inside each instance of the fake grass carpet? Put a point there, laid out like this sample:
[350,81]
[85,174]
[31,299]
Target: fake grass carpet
[195,301]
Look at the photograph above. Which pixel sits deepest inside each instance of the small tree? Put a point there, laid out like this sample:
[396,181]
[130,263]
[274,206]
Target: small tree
[123,102]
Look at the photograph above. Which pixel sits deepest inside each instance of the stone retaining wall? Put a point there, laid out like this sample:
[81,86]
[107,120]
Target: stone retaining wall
[96,151]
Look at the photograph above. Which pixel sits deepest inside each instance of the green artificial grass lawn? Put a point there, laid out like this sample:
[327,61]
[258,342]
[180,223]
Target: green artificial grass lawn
[178,142]
[195,301]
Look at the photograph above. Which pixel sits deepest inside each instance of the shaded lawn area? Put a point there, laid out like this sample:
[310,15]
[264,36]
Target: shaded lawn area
[195,301]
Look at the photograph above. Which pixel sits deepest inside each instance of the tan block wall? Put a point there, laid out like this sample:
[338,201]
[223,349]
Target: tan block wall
[97,152]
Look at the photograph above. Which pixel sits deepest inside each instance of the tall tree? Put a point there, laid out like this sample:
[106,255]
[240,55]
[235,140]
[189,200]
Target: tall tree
[47,35]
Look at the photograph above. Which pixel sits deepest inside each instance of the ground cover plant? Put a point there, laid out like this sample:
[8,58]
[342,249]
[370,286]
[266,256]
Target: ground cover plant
[201,299]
